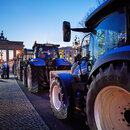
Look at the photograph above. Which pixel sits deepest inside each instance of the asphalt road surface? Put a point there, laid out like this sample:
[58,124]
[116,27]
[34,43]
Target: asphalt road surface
[41,103]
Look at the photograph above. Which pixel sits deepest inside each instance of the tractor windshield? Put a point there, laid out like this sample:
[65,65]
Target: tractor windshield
[48,53]
[110,34]
[28,57]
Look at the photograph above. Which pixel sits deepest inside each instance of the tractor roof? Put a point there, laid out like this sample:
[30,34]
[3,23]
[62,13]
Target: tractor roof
[28,51]
[103,11]
[45,45]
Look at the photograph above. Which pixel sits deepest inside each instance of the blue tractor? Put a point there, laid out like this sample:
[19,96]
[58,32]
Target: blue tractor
[99,85]
[28,54]
[46,59]
[21,64]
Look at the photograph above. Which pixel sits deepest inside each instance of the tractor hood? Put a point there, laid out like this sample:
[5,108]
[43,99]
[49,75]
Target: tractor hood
[61,62]
[37,62]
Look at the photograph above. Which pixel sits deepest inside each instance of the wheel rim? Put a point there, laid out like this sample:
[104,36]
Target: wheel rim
[112,109]
[55,97]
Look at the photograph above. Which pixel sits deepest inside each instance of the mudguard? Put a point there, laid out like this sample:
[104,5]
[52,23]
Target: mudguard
[37,62]
[61,62]
[121,53]
[66,79]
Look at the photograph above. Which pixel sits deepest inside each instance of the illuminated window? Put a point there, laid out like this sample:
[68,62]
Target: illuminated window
[70,58]
[2,55]
[11,54]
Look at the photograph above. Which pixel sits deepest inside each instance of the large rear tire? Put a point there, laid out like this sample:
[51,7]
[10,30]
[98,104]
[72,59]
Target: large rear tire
[108,99]
[60,109]
[35,78]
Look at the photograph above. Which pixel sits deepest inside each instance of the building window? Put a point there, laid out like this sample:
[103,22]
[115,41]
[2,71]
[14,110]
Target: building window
[2,55]
[11,54]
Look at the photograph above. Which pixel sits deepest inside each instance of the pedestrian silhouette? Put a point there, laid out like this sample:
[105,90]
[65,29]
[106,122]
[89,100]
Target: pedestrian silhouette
[6,70]
[3,71]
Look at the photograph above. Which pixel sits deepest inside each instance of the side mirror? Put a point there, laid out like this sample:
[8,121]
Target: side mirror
[66,31]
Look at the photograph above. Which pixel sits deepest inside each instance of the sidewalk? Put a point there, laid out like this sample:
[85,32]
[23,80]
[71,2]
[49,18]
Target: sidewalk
[16,111]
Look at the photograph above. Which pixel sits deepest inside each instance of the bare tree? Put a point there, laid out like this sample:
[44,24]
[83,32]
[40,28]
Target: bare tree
[81,23]
[99,2]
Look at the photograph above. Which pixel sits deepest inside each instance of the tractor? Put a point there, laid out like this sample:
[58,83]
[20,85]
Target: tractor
[46,59]
[99,84]
[21,63]
[28,54]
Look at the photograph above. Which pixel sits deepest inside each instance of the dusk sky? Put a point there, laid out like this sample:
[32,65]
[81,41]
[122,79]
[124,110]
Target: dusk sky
[41,20]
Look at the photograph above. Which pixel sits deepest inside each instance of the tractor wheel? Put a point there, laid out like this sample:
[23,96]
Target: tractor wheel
[32,79]
[108,99]
[25,76]
[35,78]
[21,73]
[18,73]
[58,105]
[42,78]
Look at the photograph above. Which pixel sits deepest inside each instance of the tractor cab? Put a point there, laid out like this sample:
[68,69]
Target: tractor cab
[28,54]
[46,59]
[107,32]
[48,54]
[46,51]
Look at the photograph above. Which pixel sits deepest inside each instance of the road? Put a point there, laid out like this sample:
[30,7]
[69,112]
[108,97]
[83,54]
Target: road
[41,103]
[16,111]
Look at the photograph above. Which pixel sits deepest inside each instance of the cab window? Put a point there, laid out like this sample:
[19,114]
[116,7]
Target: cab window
[110,34]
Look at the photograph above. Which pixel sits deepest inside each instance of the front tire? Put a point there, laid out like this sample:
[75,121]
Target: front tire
[32,80]
[108,99]
[60,109]
[35,78]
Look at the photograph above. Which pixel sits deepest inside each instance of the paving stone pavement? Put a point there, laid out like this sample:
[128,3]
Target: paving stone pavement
[16,111]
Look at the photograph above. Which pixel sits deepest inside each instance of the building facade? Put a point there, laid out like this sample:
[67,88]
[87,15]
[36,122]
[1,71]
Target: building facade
[68,53]
[9,49]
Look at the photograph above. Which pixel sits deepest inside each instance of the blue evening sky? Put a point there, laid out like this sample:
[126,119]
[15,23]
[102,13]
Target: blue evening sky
[41,20]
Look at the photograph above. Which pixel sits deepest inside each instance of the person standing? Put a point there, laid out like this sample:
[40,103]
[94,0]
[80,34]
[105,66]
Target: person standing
[6,70]
[3,71]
